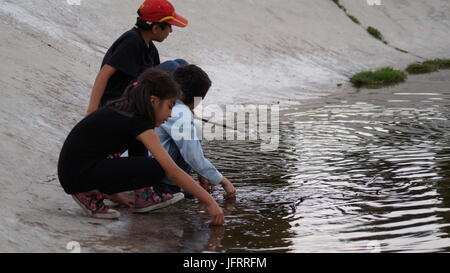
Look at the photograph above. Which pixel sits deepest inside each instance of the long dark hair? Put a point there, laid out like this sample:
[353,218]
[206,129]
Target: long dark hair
[135,101]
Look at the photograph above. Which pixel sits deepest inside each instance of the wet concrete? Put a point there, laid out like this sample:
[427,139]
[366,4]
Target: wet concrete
[51,53]
[371,168]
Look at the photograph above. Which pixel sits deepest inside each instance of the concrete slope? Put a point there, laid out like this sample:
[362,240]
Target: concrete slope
[256,51]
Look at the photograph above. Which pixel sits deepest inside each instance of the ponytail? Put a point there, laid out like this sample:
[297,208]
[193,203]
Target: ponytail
[135,101]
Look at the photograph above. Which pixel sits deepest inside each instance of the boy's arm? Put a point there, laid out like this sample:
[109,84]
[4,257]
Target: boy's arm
[229,188]
[99,87]
[191,149]
[192,152]
[205,184]
[226,184]
[180,127]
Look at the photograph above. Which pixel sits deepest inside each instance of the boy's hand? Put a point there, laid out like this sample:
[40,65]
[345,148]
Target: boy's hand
[229,189]
[206,184]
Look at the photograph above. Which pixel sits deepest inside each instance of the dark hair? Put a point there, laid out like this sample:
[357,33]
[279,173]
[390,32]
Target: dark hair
[146,25]
[135,101]
[193,81]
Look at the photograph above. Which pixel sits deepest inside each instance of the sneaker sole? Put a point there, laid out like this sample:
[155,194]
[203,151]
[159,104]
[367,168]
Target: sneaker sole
[113,214]
[176,197]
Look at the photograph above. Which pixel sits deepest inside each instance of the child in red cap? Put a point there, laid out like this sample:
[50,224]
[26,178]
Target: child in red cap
[130,55]
[134,51]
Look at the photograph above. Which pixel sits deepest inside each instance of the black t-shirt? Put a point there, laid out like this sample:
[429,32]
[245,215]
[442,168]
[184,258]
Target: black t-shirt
[130,56]
[94,138]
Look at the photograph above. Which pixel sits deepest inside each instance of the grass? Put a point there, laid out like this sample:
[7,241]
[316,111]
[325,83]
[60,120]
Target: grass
[401,50]
[379,78]
[421,68]
[339,5]
[440,63]
[354,19]
[428,66]
[375,33]
[372,31]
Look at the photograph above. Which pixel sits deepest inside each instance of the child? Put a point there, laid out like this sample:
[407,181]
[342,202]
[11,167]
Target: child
[134,51]
[188,153]
[86,172]
[129,55]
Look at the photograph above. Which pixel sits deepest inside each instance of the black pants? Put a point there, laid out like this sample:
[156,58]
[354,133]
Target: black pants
[121,174]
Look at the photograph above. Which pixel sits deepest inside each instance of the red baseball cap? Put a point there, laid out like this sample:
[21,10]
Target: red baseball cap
[161,11]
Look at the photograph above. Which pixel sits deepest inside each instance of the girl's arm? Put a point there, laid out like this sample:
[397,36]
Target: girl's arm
[151,140]
[99,87]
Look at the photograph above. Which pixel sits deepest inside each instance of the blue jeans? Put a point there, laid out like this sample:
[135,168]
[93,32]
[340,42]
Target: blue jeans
[171,66]
[179,160]
[167,186]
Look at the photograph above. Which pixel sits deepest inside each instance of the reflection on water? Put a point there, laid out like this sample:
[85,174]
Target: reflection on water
[373,167]
[369,171]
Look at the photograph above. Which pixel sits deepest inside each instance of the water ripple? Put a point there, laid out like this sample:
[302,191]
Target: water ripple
[371,171]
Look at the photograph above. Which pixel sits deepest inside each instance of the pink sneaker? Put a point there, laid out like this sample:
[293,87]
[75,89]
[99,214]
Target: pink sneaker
[148,200]
[92,203]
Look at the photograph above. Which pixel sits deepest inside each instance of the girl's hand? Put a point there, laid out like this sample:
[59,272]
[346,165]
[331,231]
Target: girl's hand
[120,199]
[216,213]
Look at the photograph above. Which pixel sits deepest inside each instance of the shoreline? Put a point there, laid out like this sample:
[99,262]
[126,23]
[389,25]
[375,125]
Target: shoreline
[51,54]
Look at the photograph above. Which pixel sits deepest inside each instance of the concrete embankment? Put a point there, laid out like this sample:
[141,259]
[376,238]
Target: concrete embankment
[256,51]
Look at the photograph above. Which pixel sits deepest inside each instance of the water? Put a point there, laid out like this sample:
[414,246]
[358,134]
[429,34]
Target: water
[368,171]
[372,168]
